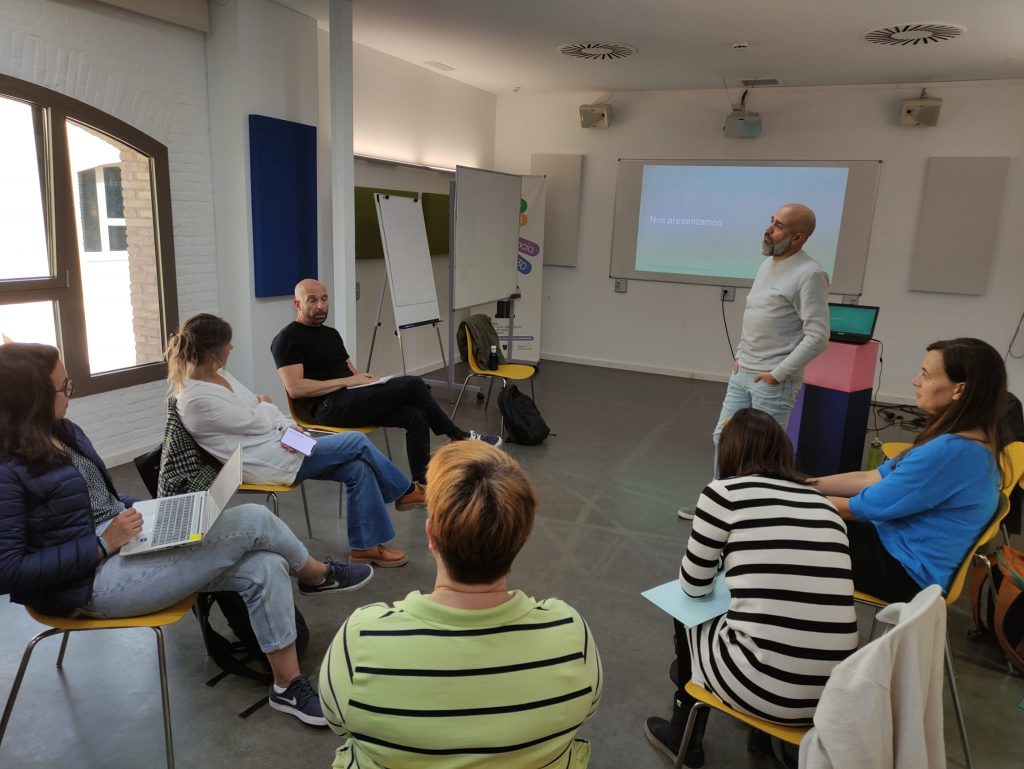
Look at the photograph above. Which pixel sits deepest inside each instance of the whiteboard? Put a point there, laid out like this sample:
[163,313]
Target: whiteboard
[407,256]
[486,236]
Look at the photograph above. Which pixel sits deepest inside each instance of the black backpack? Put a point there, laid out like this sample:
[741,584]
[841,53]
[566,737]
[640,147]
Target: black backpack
[242,657]
[523,422]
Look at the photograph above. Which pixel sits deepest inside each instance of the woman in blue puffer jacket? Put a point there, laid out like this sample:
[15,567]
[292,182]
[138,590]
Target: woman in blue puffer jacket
[62,525]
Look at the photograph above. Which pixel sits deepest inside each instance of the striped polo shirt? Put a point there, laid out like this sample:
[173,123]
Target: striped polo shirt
[791,617]
[420,684]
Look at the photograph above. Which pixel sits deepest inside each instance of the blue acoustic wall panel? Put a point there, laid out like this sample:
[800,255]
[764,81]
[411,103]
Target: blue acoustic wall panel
[282,172]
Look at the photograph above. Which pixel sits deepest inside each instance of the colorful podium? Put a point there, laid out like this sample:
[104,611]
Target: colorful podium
[829,420]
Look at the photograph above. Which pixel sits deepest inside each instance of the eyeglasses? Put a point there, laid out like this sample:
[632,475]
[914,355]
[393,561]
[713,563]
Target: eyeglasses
[68,388]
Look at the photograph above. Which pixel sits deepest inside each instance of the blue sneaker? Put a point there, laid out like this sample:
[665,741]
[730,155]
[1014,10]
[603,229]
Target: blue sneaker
[340,578]
[299,700]
[494,440]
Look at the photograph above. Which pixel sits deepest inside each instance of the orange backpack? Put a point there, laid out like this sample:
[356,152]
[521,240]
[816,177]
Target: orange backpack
[997,604]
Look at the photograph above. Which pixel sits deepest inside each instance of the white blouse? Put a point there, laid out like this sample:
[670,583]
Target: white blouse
[220,419]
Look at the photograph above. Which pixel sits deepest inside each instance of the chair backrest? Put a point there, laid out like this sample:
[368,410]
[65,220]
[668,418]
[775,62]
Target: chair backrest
[989,533]
[893,448]
[1012,465]
[470,357]
[297,412]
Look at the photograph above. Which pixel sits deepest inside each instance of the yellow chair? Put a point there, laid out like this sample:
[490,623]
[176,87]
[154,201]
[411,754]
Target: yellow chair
[305,421]
[707,700]
[272,490]
[517,372]
[952,594]
[66,625]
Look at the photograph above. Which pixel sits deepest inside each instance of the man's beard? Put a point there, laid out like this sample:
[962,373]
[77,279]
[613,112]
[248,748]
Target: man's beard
[775,249]
[317,318]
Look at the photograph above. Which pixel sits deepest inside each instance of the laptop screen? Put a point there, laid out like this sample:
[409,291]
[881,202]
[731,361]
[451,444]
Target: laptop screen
[852,322]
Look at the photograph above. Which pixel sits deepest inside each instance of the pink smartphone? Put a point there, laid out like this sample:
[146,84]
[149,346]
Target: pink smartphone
[301,442]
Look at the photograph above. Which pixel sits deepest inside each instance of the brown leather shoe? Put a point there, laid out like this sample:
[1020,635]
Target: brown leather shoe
[415,498]
[384,557]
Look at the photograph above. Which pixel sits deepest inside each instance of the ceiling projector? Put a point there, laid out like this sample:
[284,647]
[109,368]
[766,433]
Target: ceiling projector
[740,124]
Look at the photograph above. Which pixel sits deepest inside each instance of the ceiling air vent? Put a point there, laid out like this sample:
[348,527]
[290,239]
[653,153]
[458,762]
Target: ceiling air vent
[597,51]
[759,81]
[913,34]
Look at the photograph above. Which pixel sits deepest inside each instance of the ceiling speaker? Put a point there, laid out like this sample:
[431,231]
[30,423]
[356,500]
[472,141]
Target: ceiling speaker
[595,115]
[915,112]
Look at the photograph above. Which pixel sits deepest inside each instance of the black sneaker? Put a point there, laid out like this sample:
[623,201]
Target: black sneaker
[659,733]
[299,700]
[340,578]
[493,440]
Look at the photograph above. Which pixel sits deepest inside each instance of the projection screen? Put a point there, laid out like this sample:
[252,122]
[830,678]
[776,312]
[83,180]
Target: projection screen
[702,221]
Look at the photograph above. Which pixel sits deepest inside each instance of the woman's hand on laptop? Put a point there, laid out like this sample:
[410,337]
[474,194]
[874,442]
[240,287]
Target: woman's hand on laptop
[122,529]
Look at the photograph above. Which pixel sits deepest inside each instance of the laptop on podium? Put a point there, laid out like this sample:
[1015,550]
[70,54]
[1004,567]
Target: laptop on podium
[851,323]
[185,519]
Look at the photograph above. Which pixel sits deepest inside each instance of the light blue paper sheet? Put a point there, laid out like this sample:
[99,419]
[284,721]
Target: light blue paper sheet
[671,599]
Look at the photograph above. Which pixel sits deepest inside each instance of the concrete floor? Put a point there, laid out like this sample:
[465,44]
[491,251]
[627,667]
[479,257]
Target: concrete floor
[628,449]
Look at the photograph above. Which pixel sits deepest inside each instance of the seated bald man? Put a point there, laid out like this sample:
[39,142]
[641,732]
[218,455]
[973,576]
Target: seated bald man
[317,372]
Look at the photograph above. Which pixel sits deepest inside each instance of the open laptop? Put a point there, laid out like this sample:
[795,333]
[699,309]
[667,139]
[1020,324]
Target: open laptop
[851,323]
[185,519]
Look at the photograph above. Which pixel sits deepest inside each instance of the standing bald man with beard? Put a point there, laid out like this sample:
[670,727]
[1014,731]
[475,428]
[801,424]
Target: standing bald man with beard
[785,324]
[317,371]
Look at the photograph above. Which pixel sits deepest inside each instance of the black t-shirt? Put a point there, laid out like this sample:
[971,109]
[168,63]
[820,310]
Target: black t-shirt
[319,349]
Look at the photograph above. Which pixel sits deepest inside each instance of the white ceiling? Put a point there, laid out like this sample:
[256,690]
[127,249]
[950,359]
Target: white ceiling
[498,45]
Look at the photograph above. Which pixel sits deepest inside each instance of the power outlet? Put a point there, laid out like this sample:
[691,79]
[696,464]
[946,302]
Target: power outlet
[621,284]
[728,294]
[357,290]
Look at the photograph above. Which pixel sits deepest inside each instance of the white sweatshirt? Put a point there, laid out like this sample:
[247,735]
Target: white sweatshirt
[785,323]
[220,419]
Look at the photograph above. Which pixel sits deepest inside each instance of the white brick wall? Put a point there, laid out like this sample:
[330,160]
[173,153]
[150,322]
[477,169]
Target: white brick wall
[152,75]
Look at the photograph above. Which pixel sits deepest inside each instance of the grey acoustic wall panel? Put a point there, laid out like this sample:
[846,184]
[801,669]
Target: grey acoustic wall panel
[561,206]
[956,232]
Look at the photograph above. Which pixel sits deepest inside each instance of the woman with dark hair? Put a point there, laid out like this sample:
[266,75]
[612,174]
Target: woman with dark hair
[62,524]
[912,520]
[472,674]
[786,558]
[220,413]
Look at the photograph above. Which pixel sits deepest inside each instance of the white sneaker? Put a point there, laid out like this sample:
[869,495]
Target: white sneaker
[687,513]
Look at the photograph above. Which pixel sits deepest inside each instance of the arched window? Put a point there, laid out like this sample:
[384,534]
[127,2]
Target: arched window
[86,246]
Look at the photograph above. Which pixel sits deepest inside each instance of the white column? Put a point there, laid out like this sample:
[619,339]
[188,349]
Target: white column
[343,289]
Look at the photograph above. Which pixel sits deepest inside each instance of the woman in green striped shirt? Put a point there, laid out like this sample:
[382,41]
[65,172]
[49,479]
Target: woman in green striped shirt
[472,674]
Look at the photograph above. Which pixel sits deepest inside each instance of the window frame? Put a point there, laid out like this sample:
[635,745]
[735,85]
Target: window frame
[51,111]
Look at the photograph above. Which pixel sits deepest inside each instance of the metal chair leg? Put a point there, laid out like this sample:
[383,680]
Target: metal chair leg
[533,394]
[688,732]
[461,393]
[957,707]
[272,499]
[387,442]
[490,386]
[341,501]
[165,697]
[19,676]
[305,509]
[63,648]
[501,427]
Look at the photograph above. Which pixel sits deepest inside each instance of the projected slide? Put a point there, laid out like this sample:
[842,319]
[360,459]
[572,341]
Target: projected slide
[710,220]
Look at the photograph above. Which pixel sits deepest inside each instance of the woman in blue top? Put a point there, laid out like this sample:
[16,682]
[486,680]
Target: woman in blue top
[912,521]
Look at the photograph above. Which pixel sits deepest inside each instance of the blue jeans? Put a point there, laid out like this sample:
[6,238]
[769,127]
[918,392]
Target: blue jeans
[743,392]
[371,481]
[247,551]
